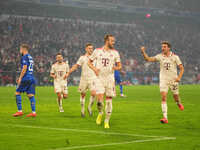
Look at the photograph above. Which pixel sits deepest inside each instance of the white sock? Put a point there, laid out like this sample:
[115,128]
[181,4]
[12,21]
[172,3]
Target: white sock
[82,101]
[164,109]
[91,102]
[108,110]
[60,102]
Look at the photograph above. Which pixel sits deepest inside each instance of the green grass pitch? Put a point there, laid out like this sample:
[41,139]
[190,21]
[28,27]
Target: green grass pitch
[135,122]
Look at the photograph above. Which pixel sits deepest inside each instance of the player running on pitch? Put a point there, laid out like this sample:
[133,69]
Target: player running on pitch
[88,79]
[107,60]
[25,82]
[168,75]
[58,73]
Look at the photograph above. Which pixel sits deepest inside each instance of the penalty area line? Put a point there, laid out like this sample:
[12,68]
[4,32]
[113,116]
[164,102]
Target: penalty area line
[85,131]
[155,138]
[113,144]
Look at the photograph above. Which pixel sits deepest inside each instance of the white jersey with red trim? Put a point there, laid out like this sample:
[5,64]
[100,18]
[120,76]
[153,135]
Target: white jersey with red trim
[87,72]
[168,66]
[60,70]
[105,60]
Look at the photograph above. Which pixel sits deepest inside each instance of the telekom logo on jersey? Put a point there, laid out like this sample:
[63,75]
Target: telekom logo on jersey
[105,61]
[167,66]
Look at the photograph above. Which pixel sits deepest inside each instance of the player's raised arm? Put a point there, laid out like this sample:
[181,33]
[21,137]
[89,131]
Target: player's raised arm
[180,73]
[24,69]
[146,57]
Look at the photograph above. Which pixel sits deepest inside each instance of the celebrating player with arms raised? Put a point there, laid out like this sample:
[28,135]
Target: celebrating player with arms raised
[168,75]
[26,81]
[107,60]
[88,79]
[58,72]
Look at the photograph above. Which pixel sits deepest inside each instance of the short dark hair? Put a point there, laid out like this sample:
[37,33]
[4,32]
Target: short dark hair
[58,54]
[167,43]
[106,37]
[88,44]
[26,46]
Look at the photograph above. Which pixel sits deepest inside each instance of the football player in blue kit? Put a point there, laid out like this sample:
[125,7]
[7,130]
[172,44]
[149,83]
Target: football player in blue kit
[25,82]
[118,82]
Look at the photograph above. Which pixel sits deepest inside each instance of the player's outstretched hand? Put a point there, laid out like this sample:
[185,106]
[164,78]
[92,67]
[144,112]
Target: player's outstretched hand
[66,76]
[177,79]
[143,49]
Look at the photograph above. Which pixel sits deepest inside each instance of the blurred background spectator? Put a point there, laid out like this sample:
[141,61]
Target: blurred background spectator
[49,35]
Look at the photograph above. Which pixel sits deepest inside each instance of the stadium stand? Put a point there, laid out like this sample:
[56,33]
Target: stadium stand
[51,33]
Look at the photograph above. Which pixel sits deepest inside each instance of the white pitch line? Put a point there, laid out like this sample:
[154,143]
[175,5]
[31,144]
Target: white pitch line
[156,138]
[111,144]
[86,131]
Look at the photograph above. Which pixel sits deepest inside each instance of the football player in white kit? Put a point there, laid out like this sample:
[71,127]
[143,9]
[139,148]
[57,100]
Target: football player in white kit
[88,79]
[106,61]
[169,78]
[58,73]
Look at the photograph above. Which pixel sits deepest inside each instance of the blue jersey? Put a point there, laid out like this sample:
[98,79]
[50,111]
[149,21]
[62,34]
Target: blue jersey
[28,82]
[27,60]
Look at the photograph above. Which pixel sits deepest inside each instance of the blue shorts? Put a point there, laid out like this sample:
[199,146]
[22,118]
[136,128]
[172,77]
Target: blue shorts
[118,79]
[27,86]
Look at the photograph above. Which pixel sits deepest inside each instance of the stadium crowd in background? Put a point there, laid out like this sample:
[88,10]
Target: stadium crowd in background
[48,36]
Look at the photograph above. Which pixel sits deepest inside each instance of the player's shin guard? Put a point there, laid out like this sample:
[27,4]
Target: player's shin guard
[19,102]
[164,109]
[82,101]
[100,106]
[32,101]
[108,110]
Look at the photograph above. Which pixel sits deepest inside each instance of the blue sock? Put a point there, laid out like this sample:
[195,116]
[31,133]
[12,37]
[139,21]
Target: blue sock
[121,89]
[32,100]
[19,102]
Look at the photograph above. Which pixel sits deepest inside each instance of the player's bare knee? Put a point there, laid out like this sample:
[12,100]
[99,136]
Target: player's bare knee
[83,95]
[100,97]
[108,98]
[59,95]
[30,95]
[176,96]
[164,98]
[65,96]
[17,93]
[93,93]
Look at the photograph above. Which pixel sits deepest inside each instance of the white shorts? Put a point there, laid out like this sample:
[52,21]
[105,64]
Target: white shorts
[106,86]
[172,85]
[87,84]
[61,87]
